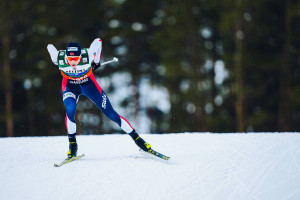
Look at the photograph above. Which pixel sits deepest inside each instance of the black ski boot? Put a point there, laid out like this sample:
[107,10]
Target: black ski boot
[139,141]
[72,147]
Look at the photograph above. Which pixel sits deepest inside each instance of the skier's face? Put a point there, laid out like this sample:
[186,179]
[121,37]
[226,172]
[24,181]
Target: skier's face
[73,60]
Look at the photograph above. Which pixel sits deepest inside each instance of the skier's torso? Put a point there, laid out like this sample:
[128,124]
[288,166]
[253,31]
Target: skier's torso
[81,71]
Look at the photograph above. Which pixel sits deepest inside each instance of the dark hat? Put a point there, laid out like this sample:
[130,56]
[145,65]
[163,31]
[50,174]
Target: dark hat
[73,49]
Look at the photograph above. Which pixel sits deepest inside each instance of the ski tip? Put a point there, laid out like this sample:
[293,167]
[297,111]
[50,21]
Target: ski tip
[165,157]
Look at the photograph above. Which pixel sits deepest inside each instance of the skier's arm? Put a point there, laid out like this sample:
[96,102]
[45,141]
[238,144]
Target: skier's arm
[95,53]
[53,53]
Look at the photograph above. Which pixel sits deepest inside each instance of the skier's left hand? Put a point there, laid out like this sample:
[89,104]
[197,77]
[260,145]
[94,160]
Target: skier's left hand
[95,65]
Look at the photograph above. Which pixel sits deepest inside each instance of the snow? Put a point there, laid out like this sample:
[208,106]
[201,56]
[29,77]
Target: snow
[202,166]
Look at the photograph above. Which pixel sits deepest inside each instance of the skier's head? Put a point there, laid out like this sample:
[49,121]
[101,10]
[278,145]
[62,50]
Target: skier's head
[73,51]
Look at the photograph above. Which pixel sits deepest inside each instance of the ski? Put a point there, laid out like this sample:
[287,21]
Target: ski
[68,160]
[155,153]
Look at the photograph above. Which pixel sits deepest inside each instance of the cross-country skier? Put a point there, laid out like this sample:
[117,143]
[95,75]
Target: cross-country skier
[76,66]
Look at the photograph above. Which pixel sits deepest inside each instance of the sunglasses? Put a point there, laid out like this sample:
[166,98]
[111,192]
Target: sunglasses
[73,58]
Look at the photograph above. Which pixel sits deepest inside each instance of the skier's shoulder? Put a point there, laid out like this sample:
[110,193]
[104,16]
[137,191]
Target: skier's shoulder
[61,54]
[84,50]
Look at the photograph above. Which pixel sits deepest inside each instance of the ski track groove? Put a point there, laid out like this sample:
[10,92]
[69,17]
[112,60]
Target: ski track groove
[294,160]
[266,170]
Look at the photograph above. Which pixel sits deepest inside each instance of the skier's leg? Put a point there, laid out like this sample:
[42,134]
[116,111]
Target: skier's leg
[70,105]
[94,92]
[71,94]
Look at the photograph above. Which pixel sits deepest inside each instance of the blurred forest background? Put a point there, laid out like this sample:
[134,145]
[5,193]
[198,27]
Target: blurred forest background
[184,66]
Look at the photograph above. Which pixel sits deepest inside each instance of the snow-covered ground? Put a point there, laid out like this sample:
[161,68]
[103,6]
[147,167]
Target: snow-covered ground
[202,166]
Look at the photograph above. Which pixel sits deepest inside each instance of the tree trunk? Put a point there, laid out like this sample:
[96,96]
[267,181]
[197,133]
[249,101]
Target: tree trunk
[136,96]
[284,115]
[8,93]
[31,112]
[238,71]
[134,70]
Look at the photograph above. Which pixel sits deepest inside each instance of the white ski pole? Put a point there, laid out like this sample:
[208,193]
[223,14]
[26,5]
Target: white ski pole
[110,61]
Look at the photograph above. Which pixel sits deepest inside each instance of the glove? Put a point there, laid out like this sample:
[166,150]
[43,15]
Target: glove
[95,65]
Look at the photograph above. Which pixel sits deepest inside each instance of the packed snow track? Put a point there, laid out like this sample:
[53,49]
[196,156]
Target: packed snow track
[203,166]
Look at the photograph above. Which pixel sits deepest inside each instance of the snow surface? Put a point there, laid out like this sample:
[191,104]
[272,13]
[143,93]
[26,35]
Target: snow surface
[202,166]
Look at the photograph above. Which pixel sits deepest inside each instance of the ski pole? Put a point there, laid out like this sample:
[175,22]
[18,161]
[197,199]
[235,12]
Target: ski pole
[110,61]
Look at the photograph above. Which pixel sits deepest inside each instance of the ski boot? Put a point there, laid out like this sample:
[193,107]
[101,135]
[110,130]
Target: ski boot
[139,141]
[72,147]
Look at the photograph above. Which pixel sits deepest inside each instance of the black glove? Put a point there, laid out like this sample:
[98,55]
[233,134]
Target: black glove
[95,65]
